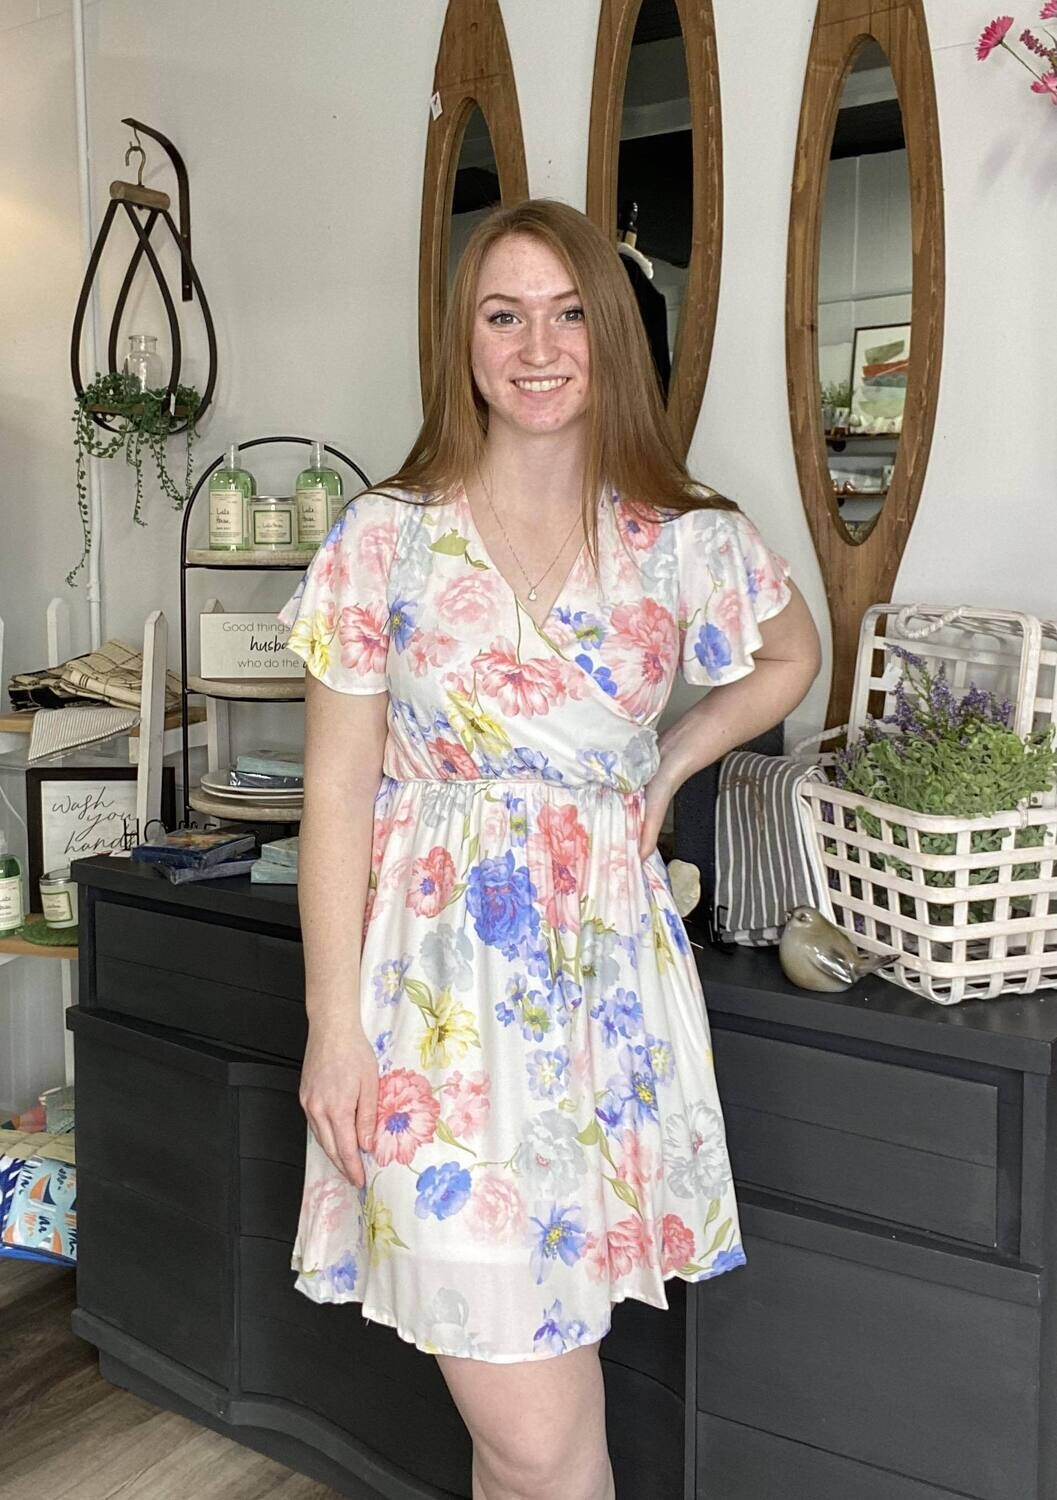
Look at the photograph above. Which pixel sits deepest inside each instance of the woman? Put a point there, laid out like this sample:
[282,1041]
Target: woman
[514,1121]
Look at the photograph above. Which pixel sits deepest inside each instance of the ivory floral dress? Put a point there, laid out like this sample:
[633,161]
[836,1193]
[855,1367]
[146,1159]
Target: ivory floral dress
[549,1138]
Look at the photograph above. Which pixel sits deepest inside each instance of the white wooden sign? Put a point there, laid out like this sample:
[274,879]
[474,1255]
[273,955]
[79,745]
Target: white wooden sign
[247,645]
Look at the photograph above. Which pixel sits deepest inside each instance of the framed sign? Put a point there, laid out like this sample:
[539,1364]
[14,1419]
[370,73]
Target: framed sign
[75,811]
[247,645]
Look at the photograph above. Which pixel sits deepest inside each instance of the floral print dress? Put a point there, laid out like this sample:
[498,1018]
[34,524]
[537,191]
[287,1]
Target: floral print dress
[549,1139]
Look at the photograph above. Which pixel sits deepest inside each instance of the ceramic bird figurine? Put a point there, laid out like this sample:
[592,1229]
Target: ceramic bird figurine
[816,955]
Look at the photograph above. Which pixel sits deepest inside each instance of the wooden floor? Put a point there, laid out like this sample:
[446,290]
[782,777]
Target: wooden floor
[66,1434]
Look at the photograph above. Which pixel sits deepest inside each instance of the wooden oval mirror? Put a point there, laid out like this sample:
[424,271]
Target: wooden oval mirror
[656,144]
[475,124]
[864,313]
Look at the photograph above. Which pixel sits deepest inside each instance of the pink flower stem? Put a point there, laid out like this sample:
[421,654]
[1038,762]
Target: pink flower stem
[1021,60]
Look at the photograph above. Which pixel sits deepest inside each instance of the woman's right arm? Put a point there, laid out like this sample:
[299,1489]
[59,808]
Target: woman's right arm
[344,741]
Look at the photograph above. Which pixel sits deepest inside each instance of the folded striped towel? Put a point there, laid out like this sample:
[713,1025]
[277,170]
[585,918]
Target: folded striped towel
[765,856]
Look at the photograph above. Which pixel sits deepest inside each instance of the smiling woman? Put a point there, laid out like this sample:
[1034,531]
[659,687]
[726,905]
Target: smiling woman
[534,1132]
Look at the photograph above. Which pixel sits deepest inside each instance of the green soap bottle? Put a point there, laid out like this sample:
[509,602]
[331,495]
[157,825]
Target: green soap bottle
[230,488]
[319,499]
[12,911]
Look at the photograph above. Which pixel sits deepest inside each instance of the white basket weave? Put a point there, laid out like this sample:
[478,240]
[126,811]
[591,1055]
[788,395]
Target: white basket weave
[991,927]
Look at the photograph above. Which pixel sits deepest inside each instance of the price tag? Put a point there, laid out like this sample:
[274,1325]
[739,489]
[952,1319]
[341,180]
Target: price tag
[435,106]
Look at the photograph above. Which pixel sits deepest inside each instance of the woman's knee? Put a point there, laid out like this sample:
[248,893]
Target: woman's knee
[538,1427]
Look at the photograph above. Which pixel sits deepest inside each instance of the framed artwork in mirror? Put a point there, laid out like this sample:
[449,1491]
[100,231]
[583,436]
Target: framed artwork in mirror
[879,368]
[655,182]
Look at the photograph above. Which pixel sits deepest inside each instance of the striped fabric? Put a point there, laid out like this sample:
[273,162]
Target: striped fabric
[765,863]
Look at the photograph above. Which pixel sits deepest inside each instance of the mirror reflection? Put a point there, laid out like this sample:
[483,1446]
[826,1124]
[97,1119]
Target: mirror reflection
[864,292]
[475,189]
[655,177]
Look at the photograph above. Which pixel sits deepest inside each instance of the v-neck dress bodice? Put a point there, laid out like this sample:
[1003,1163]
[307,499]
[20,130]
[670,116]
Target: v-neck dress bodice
[549,1138]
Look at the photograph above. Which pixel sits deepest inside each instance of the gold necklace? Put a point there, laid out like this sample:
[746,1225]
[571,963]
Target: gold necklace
[513,550]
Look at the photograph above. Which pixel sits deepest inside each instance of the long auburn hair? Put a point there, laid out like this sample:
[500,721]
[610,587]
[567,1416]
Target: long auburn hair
[630,444]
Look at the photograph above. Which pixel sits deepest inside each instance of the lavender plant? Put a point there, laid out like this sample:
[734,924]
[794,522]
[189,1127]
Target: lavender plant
[957,757]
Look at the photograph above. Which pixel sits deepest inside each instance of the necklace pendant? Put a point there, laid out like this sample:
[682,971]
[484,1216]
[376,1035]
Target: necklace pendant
[532,593]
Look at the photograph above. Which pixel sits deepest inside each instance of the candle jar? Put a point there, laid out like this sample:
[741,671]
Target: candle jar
[273,522]
[58,899]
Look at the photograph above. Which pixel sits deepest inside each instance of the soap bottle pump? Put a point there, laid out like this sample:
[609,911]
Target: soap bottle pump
[319,498]
[12,912]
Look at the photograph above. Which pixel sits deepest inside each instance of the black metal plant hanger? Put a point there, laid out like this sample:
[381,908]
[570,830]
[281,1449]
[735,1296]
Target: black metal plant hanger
[154,205]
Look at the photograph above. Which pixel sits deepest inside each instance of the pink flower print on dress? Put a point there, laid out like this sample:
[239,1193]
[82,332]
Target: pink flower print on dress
[1049,11]
[519,687]
[641,653]
[364,639]
[629,1245]
[328,566]
[595,1257]
[677,1243]
[469,600]
[376,547]
[451,761]
[1047,84]
[496,1210]
[432,882]
[559,844]
[406,1116]
[638,1165]
[429,649]
[639,532]
[467,1103]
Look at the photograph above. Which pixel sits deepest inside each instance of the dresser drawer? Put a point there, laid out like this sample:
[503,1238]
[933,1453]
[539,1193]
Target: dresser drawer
[898,1143]
[150,1124]
[163,1278]
[934,1382]
[221,983]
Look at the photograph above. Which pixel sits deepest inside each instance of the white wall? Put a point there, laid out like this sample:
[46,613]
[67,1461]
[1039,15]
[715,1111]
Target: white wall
[303,127]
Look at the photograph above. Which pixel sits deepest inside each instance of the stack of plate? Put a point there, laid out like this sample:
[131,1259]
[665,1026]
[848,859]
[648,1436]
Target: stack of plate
[218,784]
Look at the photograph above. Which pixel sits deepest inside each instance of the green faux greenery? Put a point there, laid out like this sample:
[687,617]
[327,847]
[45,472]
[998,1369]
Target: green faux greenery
[956,759]
[146,420]
[837,393]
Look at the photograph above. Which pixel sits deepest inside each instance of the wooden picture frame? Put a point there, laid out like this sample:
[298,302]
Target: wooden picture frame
[92,809]
[884,333]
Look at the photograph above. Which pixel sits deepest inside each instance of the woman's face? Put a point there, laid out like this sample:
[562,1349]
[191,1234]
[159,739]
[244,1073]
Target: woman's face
[529,350]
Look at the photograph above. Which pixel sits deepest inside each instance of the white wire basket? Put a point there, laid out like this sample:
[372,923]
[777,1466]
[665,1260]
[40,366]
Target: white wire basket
[967,905]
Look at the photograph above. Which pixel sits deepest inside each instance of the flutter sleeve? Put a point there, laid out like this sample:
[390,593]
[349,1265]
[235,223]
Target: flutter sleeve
[339,617]
[729,583]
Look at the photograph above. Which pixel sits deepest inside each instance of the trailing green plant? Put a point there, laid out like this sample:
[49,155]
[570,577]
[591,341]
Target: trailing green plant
[957,758]
[145,422]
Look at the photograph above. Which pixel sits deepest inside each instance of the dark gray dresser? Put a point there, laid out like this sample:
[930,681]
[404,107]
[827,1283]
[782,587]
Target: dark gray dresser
[892,1337]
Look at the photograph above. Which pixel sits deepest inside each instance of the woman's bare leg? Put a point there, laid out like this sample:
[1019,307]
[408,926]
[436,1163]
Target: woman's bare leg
[538,1427]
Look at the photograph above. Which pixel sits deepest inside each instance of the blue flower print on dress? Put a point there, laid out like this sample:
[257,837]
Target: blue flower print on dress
[557,1334]
[726,1260]
[528,1006]
[389,979]
[442,1190]
[712,649]
[500,897]
[676,931]
[619,1014]
[548,1072]
[600,674]
[559,1235]
[342,1274]
[402,621]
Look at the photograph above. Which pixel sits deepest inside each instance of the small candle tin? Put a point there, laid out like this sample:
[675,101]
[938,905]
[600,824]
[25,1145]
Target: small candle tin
[58,898]
[273,522]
